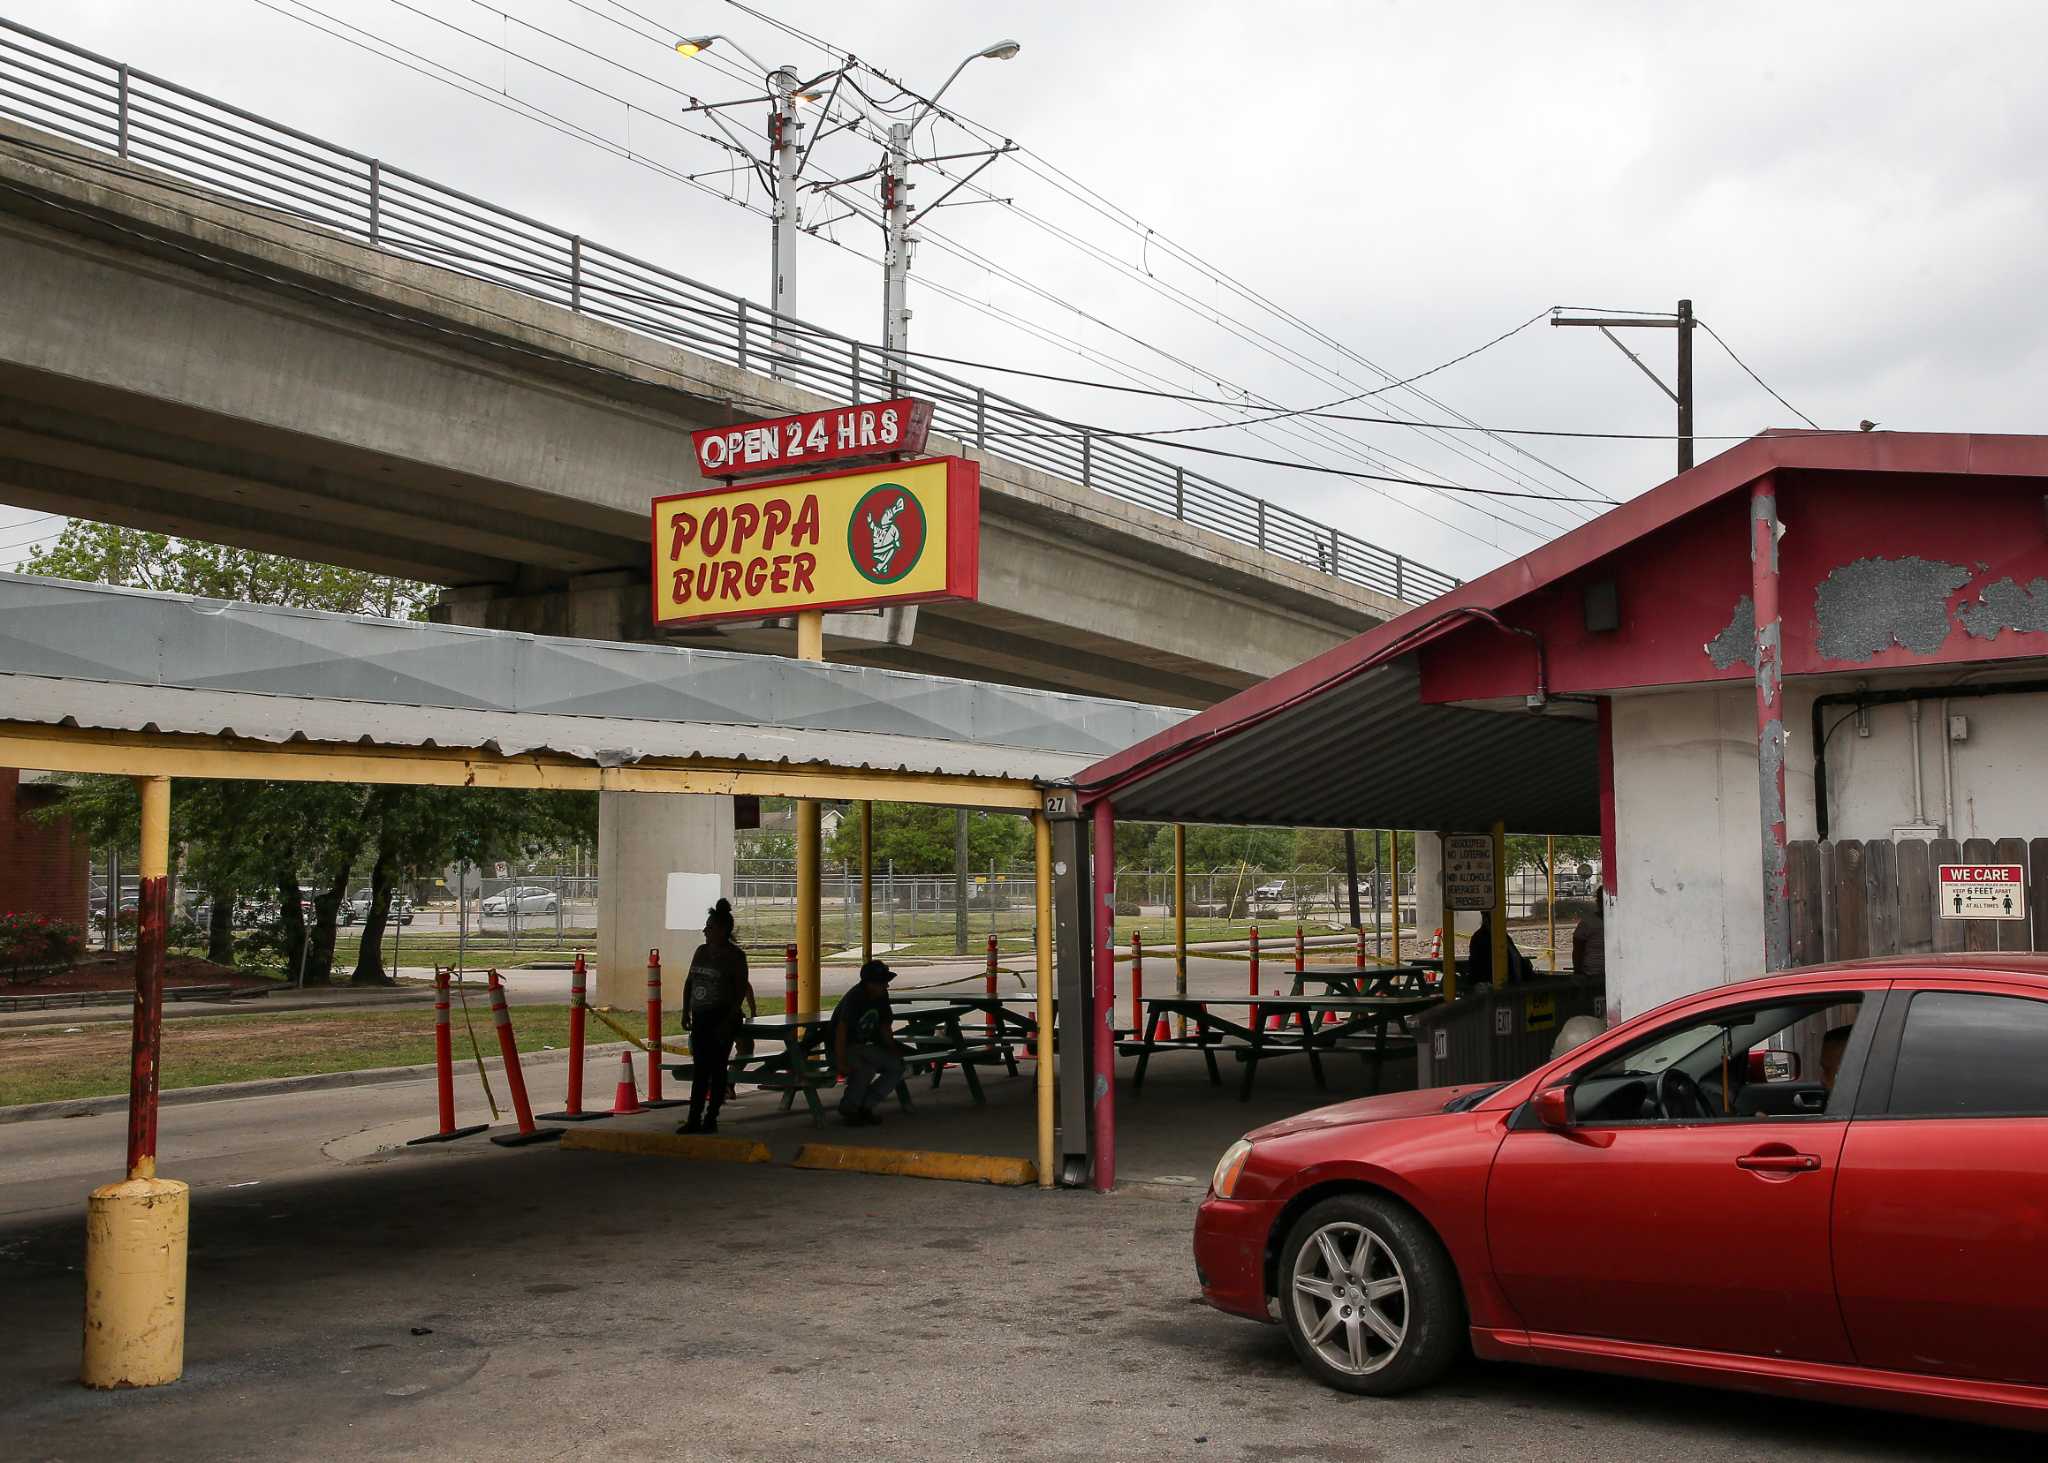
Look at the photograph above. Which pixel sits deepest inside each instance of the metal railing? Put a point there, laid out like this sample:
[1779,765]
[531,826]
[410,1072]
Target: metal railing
[60,88]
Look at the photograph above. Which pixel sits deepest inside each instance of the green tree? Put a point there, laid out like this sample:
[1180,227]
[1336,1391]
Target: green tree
[919,839]
[243,838]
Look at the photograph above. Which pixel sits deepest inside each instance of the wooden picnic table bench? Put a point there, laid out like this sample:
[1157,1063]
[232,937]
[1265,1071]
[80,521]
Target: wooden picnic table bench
[1361,1025]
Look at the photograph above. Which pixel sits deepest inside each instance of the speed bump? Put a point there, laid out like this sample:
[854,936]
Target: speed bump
[667,1145]
[973,1168]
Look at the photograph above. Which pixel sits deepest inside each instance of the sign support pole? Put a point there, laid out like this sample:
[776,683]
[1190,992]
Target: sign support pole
[1500,903]
[810,645]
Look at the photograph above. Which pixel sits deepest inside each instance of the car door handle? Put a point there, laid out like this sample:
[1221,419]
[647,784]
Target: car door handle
[1779,1162]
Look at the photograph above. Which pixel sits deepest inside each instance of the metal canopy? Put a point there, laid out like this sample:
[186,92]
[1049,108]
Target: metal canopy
[1369,754]
[122,660]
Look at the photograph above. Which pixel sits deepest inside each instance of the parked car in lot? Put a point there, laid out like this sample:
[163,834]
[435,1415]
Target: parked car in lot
[525,898]
[1270,892]
[1676,1199]
[357,907]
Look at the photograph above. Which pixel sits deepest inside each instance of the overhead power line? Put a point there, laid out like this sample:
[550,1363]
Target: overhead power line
[1758,379]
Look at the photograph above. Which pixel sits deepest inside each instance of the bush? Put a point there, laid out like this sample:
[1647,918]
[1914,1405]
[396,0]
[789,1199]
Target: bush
[1566,909]
[34,942]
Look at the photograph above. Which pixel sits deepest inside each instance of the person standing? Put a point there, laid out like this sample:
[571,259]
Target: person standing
[863,1050]
[713,995]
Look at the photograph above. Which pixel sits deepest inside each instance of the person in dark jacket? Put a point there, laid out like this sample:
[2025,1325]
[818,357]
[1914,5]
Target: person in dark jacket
[864,1051]
[713,995]
[1479,957]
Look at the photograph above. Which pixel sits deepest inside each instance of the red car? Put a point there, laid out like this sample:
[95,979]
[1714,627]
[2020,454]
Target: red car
[1685,1198]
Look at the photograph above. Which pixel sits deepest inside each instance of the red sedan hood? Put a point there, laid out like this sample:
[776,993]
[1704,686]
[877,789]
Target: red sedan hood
[1364,1110]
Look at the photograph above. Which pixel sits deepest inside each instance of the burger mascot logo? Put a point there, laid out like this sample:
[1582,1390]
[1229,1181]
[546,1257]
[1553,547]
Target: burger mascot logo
[886,534]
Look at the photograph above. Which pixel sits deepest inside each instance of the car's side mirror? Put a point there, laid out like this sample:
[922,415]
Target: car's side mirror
[1554,1107]
[1767,1064]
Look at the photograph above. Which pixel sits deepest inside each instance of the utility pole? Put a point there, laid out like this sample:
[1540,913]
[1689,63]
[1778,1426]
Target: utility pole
[783,127]
[1682,322]
[896,252]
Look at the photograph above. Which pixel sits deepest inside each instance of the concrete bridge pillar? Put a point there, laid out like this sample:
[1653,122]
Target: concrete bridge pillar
[1429,891]
[642,838]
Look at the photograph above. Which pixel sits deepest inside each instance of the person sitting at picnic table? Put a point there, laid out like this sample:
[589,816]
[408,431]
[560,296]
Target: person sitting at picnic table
[1479,957]
[864,1051]
[713,993]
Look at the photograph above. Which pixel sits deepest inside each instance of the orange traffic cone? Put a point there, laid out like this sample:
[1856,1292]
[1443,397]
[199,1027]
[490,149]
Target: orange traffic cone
[1160,1032]
[1436,944]
[1275,1020]
[627,1099]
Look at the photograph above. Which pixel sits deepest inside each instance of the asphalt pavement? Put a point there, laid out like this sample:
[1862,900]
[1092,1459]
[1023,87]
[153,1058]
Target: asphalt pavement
[352,1300]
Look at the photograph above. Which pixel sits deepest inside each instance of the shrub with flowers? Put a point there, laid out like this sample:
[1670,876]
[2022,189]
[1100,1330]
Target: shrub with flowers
[33,943]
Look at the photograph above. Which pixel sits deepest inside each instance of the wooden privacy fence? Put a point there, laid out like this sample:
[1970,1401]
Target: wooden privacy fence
[1853,897]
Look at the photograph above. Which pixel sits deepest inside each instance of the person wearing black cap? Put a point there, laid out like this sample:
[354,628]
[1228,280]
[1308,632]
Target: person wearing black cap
[863,1050]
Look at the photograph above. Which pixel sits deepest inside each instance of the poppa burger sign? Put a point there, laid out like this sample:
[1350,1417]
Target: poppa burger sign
[899,534]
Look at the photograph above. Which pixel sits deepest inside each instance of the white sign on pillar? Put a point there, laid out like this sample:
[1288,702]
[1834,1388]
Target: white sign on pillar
[690,897]
[1468,871]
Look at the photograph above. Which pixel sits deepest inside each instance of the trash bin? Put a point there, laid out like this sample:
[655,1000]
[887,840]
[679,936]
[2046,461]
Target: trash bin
[1495,1035]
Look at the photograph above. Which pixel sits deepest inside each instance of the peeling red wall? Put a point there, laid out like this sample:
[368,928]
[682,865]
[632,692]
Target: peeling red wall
[1878,572]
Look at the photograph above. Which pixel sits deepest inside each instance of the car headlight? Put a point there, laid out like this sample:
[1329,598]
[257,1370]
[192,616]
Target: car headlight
[1224,1181]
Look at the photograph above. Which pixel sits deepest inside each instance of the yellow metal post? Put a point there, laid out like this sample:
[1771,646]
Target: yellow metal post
[1550,896]
[136,1231]
[810,645]
[1180,916]
[1500,903]
[1394,889]
[1041,835]
[867,881]
[1447,931]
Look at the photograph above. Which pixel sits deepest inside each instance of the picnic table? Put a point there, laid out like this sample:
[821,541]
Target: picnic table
[1361,1025]
[1380,980]
[930,1030]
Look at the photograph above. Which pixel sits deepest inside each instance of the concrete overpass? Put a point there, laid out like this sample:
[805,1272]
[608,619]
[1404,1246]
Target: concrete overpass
[177,360]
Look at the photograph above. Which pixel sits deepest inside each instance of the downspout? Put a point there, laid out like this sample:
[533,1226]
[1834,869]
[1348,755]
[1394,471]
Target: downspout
[1919,784]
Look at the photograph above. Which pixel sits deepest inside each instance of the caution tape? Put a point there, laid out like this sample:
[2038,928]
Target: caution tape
[638,1041]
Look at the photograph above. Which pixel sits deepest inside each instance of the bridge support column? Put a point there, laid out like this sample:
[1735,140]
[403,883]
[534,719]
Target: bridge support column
[642,838]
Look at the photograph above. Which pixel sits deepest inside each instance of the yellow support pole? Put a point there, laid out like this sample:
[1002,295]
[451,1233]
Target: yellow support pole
[867,881]
[1041,836]
[1550,896]
[1180,910]
[1394,889]
[1500,903]
[136,1231]
[810,645]
[1448,931]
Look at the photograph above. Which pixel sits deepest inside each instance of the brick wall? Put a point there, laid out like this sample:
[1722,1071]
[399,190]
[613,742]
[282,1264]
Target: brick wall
[42,867]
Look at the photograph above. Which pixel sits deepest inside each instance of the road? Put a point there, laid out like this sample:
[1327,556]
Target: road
[463,1302]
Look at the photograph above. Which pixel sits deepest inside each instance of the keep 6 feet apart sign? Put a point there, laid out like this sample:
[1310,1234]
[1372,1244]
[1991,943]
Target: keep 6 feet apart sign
[901,534]
[1982,891]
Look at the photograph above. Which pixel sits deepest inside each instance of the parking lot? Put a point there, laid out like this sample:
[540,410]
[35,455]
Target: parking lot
[350,1299]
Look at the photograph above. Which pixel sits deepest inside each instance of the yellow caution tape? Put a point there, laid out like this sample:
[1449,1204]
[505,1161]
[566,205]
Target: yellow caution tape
[639,1041]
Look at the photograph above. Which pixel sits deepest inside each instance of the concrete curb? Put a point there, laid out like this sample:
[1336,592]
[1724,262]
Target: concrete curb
[973,1168]
[87,1107]
[667,1145]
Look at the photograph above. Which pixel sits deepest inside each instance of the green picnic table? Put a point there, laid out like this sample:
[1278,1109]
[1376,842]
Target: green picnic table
[1251,1043]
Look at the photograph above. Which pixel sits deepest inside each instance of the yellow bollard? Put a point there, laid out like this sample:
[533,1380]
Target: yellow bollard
[135,1234]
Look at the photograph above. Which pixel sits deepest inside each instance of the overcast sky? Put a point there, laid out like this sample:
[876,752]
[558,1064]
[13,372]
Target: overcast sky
[1850,193]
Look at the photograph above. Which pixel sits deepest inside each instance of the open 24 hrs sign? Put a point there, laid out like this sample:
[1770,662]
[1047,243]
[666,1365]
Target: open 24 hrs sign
[1982,891]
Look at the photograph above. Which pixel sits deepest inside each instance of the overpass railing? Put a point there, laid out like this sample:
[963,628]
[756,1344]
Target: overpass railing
[106,104]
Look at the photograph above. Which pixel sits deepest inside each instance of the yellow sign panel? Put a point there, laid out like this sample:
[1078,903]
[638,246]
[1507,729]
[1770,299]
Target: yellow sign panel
[899,534]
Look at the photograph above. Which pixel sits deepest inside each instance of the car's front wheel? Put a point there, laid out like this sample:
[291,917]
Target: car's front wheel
[1369,1298]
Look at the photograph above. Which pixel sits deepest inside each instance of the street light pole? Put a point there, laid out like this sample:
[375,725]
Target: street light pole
[783,127]
[896,187]
[896,253]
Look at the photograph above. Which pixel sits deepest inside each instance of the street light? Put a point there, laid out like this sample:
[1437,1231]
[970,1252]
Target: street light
[896,216]
[1000,51]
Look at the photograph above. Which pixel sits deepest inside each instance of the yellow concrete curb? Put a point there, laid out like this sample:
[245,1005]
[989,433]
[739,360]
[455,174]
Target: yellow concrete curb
[666,1145]
[973,1168]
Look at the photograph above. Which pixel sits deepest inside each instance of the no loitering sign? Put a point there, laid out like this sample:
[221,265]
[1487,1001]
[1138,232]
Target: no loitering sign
[1982,891]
